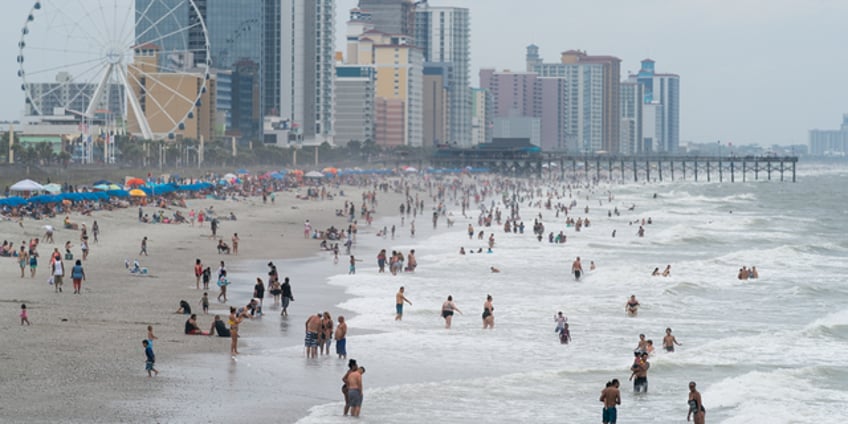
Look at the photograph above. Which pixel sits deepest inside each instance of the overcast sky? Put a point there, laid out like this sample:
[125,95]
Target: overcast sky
[752,71]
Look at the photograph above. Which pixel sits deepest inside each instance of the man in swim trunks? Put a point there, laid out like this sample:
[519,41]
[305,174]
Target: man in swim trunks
[577,269]
[313,326]
[640,372]
[354,391]
[696,408]
[611,397]
[399,299]
[669,341]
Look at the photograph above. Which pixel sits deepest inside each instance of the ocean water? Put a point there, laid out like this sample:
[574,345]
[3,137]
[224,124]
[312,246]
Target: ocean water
[768,350]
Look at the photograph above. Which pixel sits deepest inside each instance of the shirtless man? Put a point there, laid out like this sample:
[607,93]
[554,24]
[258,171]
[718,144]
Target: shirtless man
[696,408]
[313,326]
[640,372]
[341,338]
[354,391]
[577,269]
[632,306]
[643,344]
[669,341]
[611,397]
[399,299]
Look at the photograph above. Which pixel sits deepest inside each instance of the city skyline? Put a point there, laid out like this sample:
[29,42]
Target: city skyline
[740,79]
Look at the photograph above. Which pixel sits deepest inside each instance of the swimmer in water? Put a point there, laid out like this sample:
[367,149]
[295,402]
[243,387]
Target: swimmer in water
[577,269]
[632,306]
[493,269]
[696,408]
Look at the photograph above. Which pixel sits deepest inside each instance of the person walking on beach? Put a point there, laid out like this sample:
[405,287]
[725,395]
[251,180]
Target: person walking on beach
[696,408]
[341,338]
[448,308]
[58,274]
[488,313]
[669,341]
[399,299]
[198,272]
[23,260]
[611,397]
[150,359]
[223,283]
[286,297]
[204,303]
[351,368]
[24,315]
[78,276]
[234,321]
[577,269]
[143,250]
[33,262]
[95,231]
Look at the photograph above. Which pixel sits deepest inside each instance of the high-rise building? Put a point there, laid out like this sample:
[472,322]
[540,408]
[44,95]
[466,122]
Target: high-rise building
[354,103]
[589,99]
[481,116]
[436,108]
[830,142]
[443,34]
[305,63]
[513,93]
[234,32]
[662,91]
[399,84]
[391,16]
[631,117]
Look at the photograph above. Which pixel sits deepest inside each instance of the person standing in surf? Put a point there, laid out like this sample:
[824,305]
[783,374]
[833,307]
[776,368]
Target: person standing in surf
[632,306]
[488,313]
[448,309]
[577,269]
[611,397]
[669,341]
[696,408]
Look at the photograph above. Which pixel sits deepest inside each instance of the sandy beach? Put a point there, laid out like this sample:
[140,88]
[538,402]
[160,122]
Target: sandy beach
[82,358]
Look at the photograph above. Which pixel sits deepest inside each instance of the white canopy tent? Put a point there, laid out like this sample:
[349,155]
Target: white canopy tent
[26,185]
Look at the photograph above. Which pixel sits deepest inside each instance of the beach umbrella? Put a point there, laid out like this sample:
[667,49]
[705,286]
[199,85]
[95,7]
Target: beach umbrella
[26,185]
[314,174]
[410,169]
[102,187]
[230,176]
[99,182]
[330,170]
[53,188]
[137,193]
[134,182]
[242,171]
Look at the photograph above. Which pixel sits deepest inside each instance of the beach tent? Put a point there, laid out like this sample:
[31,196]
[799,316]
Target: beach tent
[314,174]
[118,193]
[137,193]
[53,188]
[26,185]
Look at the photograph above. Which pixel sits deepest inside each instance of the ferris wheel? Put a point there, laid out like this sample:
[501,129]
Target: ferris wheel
[142,65]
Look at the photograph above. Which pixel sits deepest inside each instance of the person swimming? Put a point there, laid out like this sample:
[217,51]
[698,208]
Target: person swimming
[632,306]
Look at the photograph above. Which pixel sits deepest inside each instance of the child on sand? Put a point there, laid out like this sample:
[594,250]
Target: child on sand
[204,303]
[150,336]
[24,315]
[150,359]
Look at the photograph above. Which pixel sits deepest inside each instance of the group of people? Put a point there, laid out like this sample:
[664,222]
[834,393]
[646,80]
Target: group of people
[320,334]
[748,274]
[448,309]
[665,273]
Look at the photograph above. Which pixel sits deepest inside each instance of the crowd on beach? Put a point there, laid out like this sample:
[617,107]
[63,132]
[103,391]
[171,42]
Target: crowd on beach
[499,202]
